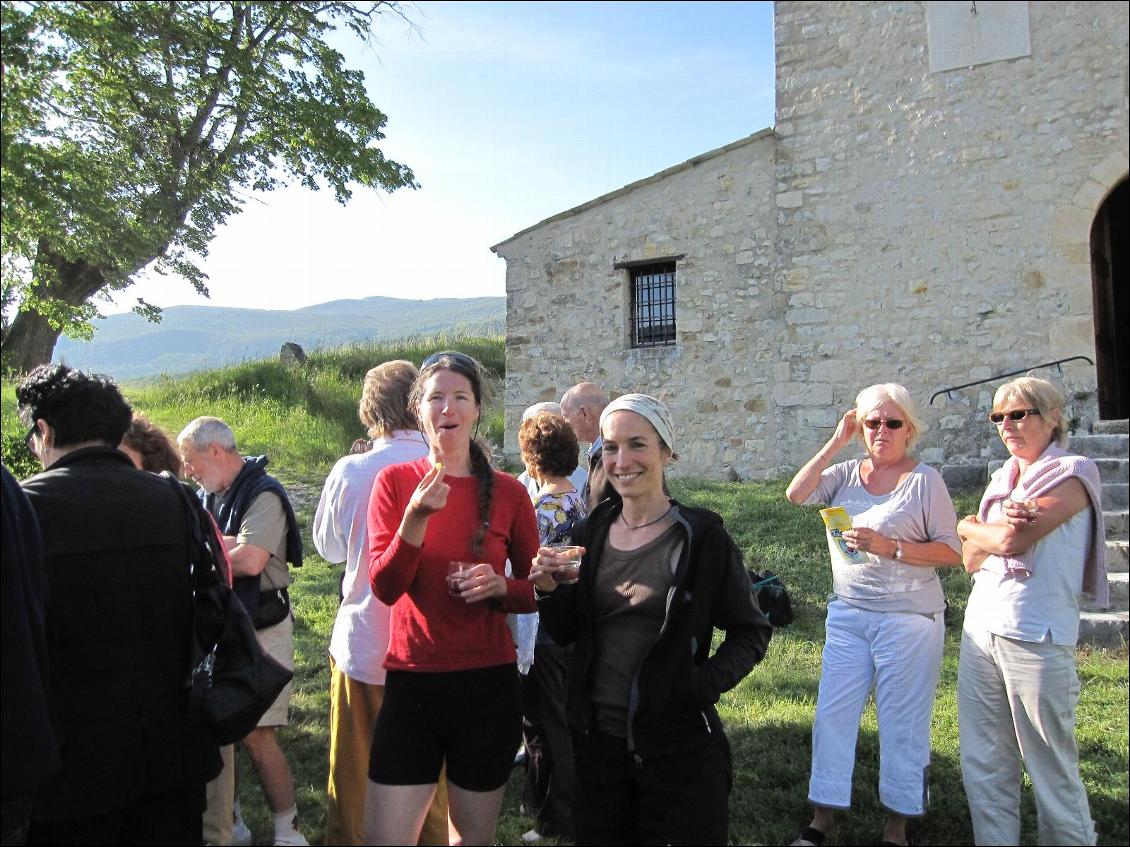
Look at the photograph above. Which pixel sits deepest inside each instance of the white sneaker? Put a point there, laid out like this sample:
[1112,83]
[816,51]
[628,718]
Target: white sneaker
[531,837]
[241,836]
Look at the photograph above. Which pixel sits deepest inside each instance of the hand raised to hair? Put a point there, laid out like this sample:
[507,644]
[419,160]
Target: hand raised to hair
[846,430]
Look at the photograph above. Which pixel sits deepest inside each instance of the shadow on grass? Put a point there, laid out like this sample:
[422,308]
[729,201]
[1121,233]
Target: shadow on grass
[769,803]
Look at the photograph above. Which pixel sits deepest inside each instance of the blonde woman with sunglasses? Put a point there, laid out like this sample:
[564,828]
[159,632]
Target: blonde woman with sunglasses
[1034,544]
[885,626]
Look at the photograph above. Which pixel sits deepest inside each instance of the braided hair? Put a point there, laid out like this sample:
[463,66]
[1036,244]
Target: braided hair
[465,366]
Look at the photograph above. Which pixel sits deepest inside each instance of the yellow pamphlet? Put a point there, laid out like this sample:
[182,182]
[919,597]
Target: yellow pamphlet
[837,520]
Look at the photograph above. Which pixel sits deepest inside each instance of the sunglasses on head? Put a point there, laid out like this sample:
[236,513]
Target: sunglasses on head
[461,359]
[891,423]
[1014,415]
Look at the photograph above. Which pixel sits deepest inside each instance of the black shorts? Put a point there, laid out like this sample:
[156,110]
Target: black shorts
[470,719]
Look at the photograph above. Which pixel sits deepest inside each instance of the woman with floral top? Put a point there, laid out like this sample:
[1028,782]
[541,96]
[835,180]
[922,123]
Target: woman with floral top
[549,451]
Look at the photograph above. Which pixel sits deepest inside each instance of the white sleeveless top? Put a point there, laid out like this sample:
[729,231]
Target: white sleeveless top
[1046,603]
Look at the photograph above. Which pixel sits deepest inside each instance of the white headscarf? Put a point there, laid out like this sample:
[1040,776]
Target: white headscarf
[655,411]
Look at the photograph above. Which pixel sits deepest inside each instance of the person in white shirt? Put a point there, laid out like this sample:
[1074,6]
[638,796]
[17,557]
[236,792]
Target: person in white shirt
[361,631]
[1036,541]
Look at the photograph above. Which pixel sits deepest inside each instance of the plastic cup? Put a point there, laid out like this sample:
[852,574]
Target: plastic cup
[568,569]
[456,573]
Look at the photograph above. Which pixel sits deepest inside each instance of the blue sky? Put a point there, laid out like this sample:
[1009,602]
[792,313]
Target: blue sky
[508,113]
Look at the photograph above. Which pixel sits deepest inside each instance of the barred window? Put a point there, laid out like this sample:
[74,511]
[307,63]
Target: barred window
[653,305]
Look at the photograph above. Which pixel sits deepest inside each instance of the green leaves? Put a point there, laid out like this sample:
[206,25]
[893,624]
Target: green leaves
[131,130]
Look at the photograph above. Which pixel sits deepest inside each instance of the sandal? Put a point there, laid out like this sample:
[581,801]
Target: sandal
[809,837]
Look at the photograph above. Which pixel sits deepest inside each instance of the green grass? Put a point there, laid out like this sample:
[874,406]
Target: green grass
[305,419]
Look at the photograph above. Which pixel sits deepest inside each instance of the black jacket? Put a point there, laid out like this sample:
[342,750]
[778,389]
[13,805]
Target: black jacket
[119,618]
[673,696]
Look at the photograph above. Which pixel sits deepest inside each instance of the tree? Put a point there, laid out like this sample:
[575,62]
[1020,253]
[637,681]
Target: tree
[130,130]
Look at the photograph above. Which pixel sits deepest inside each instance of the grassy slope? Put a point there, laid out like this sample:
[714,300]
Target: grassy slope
[305,419]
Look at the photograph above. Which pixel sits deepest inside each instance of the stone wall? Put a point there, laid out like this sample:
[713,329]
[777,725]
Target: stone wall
[929,228]
[567,305]
[934,227]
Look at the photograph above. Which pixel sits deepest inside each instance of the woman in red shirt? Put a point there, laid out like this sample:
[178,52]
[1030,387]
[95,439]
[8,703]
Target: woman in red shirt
[452,691]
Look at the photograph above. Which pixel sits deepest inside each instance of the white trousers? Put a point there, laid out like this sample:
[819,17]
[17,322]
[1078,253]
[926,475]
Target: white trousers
[1016,702]
[899,655]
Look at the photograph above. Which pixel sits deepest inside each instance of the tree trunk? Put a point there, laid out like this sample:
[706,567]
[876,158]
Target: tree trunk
[30,340]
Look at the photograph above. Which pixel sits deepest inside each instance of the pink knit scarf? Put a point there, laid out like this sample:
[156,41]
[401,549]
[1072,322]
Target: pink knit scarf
[1054,466]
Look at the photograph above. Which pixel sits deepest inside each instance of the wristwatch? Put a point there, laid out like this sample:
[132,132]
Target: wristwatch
[898,549]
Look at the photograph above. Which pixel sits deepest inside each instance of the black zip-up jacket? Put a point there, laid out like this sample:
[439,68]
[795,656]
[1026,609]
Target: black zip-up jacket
[672,701]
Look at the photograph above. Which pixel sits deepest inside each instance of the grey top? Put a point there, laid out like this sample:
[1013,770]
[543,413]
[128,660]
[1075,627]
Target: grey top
[918,510]
[630,604]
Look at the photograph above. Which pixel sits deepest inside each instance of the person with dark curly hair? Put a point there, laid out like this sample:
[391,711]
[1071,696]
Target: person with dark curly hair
[549,450]
[149,447]
[119,628]
[451,685]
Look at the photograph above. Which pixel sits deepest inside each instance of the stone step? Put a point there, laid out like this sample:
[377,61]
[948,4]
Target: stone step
[1117,584]
[1096,446]
[1104,629]
[1116,555]
[1116,495]
[1111,427]
[1113,470]
[1116,522]
[965,477]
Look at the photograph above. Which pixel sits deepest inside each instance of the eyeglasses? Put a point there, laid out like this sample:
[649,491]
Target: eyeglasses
[29,440]
[1015,415]
[891,423]
[461,359]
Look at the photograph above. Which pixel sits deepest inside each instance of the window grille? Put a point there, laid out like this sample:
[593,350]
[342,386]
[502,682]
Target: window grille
[653,305]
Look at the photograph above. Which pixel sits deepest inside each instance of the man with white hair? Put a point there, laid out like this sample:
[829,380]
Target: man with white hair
[578,477]
[581,406]
[261,533]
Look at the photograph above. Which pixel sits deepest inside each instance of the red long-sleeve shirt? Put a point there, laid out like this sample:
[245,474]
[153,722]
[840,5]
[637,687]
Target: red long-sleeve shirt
[430,630]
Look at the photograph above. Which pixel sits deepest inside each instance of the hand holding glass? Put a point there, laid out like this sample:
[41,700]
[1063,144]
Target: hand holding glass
[568,569]
[456,573]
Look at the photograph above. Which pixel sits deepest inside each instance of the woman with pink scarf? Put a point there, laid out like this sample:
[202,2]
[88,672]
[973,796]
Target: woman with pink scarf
[1035,543]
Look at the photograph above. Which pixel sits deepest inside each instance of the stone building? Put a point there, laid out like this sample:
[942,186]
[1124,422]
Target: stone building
[941,200]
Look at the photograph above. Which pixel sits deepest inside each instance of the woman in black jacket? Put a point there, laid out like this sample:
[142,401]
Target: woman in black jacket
[653,763]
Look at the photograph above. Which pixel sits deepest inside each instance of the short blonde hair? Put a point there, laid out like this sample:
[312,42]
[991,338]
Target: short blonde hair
[874,395]
[1038,394]
[384,406]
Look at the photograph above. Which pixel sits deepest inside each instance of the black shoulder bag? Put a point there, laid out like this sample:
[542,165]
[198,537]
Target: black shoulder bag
[232,681]
[772,597]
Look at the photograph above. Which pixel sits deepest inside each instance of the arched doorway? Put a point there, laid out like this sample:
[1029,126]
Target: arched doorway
[1108,279]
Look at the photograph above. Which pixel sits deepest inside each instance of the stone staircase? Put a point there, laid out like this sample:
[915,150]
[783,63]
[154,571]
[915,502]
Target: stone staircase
[1108,445]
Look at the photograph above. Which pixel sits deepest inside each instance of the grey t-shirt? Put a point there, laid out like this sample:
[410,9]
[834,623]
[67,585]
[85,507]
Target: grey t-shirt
[630,604]
[918,510]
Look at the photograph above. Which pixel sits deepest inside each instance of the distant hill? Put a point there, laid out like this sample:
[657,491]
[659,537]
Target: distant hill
[191,338]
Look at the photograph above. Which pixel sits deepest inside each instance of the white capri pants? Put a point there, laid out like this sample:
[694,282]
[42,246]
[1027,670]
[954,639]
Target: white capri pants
[1016,700]
[899,654]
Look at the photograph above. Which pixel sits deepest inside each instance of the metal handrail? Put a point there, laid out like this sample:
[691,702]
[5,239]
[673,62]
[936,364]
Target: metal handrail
[1058,364]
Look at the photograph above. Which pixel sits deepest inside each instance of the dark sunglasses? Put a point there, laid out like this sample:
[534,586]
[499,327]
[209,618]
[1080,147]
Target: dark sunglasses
[892,423]
[461,359]
[1014,415]
[29,440]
